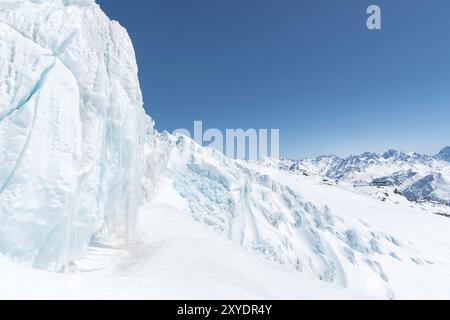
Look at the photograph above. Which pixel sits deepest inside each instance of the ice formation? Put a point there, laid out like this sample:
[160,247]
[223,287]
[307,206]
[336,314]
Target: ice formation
[71,126]
[291,219]
[79,159]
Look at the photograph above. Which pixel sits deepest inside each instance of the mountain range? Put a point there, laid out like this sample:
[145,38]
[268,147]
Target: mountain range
[95,203]
[417,176]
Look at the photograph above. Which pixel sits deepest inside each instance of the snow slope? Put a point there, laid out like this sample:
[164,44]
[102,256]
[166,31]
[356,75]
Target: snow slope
[172,257]
[71,125]
[419,177]
[80,159]
[418,264]
[335,233]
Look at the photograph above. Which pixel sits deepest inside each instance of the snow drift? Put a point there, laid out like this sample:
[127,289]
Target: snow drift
[292,220]
[70,129]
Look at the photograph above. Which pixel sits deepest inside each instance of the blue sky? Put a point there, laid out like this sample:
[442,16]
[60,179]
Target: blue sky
[310,68]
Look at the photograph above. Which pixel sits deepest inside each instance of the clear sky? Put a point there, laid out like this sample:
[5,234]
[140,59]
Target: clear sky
[310,68]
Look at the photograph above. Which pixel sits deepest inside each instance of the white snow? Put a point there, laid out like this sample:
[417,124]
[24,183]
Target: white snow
[172,257]
[334,232]
[419,177]
[418,262]
[87,185]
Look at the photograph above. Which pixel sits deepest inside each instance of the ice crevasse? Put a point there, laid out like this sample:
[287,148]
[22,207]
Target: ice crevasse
[71,126]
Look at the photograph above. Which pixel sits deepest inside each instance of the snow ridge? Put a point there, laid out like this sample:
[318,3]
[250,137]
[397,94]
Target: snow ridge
[265,215]
[79,156]
[411,174]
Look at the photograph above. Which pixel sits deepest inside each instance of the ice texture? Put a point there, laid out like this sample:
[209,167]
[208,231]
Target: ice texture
[71,130]
[266,211]
[78,155]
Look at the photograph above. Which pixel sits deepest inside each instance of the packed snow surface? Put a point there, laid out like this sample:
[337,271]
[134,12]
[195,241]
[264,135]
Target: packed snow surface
[172,257]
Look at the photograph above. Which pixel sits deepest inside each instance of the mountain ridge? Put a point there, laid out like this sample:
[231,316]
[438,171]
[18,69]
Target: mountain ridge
[418,176]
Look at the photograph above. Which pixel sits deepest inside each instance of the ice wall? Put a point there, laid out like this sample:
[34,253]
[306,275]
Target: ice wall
[71,129]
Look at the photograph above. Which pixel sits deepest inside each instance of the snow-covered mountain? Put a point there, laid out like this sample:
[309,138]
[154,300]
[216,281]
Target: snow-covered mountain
[290,219]
[444,154]
[89,186]
[419,177]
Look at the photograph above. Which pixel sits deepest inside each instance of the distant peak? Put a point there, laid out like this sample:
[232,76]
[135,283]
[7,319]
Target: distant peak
[444,154]
[393,154]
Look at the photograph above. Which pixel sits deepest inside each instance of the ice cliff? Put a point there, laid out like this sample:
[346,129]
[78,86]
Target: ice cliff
[78,156]
[71,129]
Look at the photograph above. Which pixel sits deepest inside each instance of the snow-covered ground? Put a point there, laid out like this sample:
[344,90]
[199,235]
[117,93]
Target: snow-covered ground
[172,257]
[368,239]
[175,257]
[418,266]
[87,186]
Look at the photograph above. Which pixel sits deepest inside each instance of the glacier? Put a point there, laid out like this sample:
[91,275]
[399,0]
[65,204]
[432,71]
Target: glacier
[329,232]
[89,186]
[71,126]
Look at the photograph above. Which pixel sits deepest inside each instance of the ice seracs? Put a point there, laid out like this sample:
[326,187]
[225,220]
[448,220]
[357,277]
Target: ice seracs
[320,229]
[71,126]
[79,159]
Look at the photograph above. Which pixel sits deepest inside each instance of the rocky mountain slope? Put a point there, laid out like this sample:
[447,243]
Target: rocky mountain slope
[421,178]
